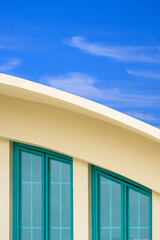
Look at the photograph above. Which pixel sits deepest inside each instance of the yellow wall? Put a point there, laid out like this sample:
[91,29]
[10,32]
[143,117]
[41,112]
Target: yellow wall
[84,138]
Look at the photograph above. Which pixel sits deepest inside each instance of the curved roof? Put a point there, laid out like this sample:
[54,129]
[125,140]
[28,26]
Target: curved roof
[24,89]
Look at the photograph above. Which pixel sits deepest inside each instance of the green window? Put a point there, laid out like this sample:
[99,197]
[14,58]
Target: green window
[42,195]
[121,209]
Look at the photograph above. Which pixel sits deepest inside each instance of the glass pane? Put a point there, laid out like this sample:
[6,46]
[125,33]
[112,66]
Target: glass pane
[55,171]
[60,199]
[144,234]
[110,207]
[116,234]
[55,234]
[26,167]
[105,234]
[116,205]
[144,210]
[37,234]
[26,234]
[26,205]
[105,203]
[55,205]
[65,205]
[66,234]
[105,180]
[37,169]
[133,234]
[31,196]
[133,208]
[138,216]
[37,205]
[65,172]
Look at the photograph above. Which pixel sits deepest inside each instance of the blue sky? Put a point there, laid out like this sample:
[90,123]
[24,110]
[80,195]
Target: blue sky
[106,51]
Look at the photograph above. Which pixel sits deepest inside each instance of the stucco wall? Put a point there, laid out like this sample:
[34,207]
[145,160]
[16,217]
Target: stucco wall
[84,138]
[5,189]
[82,200]
[155,215]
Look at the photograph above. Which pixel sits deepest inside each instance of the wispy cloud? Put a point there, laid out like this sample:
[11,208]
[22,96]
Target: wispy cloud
[11,64]
[118,53]
[87,86]
[74,82]
[144,74]
[14,43]
[143,116]
[2,46]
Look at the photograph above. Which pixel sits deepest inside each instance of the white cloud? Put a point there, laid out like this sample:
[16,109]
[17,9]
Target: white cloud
[143,116]
[119,53]
[77,83]
[11,64]
[144,74]
[86,86]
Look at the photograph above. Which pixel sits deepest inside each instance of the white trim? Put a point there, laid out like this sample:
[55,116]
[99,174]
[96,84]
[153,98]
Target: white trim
[24,89]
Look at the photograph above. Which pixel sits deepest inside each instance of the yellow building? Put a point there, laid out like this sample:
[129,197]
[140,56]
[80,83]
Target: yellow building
[73,169]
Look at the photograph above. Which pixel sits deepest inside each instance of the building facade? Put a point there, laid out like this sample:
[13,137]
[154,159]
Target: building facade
[74,169]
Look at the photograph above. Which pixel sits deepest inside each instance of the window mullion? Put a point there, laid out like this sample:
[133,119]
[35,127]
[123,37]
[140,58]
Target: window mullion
[150,217]
[43,197]
[46,196]
[125,212]
[95,204]
[99,207]
[60,201]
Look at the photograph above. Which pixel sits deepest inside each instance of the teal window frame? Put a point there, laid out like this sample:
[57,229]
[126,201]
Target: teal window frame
[126,185]
[46,155]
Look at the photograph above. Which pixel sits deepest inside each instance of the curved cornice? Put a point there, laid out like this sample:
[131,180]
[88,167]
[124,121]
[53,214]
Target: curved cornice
[32,91]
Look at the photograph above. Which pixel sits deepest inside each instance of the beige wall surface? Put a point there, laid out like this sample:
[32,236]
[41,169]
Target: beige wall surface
[4,189]
[82,200]
[156,215]
[76,135]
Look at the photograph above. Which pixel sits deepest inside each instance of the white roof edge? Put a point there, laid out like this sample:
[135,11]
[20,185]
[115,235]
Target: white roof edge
[10,85]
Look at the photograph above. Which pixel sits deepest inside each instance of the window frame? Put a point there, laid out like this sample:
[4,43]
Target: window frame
[126,184]
[46,155]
